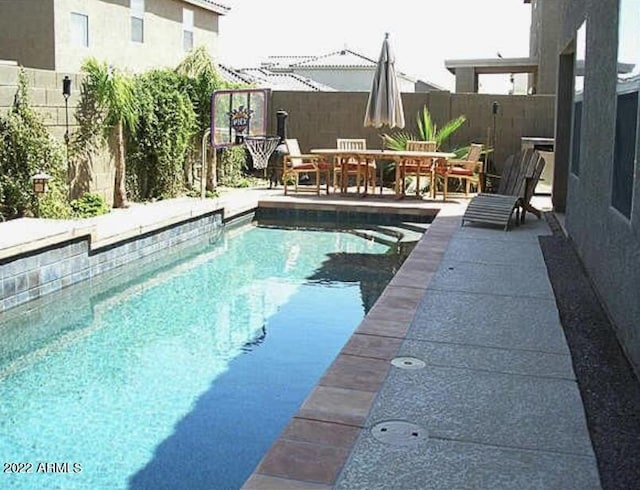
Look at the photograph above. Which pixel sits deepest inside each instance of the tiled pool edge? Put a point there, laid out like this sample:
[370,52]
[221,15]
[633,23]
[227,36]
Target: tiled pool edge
[37,272]
[76,250]
[315,445]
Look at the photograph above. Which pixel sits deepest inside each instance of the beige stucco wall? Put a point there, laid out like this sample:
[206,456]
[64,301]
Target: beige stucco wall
[110,33]
[36,33]
[26,32]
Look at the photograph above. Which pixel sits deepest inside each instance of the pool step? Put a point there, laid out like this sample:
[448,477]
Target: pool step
[415,226]
[391,235]
[376,236]
[403,232]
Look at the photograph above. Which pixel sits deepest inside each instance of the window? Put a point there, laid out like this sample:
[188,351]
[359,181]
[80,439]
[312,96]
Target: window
[628,77]
[187,29]
[576,132]
[137,21]
[624,152]
[79,30]
[628,40]
[578,89]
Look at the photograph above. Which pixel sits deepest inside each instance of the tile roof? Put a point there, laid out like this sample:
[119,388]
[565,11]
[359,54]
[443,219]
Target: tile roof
[345,58]
[284,61]
[218,8]
[263,77]
[285,67]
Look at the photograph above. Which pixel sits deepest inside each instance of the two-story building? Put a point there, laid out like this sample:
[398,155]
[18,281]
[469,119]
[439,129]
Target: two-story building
[134,34]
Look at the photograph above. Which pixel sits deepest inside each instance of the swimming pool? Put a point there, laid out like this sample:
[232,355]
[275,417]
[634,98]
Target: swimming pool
[180,374]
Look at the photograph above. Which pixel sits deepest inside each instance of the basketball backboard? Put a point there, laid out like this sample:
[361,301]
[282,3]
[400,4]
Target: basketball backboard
[236,114]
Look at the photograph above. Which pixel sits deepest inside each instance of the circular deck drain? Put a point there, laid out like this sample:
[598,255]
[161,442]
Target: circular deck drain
[398,433]
[408,363]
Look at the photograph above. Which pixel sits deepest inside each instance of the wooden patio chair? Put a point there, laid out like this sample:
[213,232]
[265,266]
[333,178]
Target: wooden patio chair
[468,170]
[517,184]
[296,163]
[417,168]
[353,166]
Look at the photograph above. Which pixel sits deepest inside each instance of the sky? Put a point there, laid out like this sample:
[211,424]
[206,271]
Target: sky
[423,33]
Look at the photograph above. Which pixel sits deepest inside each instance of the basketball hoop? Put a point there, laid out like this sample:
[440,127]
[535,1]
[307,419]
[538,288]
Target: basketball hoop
[261,148]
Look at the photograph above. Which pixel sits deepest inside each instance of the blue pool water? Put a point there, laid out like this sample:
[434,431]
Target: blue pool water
[180,374]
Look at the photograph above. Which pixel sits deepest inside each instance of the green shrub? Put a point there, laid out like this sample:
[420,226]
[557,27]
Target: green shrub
[88,205]
[157,148]
[232,163]
[26,148]
[207,194]
[54,203]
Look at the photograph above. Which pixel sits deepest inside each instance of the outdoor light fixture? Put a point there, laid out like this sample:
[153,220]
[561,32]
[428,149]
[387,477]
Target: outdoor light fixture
[40,182]
[66,93]
[495,106]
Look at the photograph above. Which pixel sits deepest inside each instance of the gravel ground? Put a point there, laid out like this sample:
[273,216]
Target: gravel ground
[610,390]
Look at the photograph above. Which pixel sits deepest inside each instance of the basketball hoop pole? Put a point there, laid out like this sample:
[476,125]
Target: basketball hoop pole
[203,172]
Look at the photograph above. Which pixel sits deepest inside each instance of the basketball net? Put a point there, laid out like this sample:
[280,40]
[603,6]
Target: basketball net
[261,148]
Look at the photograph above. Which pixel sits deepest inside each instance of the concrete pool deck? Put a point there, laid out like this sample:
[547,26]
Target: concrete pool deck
[496,403]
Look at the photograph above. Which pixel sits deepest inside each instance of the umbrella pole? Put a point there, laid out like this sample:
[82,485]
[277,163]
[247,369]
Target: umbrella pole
[381,165]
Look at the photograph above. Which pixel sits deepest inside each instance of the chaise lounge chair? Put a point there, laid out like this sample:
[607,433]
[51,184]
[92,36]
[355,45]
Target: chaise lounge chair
[517,183]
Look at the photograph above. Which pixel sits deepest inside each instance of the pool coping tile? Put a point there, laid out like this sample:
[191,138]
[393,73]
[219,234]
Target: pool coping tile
[339,405]
[382,326]
[356,373]
[321,433]
[293,460]
[374,346]
[258,481]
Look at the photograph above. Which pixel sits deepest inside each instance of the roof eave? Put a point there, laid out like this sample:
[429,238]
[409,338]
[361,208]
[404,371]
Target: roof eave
[494,65]
[212,7]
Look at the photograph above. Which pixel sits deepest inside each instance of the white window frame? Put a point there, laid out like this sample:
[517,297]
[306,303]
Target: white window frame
[137,13]
[79,39]
[187,29]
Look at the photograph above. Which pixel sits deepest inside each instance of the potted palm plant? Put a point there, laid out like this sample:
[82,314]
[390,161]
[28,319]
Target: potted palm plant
[427,131]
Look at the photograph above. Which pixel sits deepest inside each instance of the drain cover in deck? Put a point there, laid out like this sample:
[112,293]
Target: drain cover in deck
[408,363]
[398,433]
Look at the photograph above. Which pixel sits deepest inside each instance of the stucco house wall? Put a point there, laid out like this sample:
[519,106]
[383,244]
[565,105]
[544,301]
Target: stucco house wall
[607,241]
[27,33]
[41,37]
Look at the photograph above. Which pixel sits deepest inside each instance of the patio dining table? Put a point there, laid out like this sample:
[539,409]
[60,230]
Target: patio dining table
[400,157]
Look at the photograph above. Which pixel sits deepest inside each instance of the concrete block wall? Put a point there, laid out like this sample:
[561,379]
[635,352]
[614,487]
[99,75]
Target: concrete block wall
[316,119]
[43,271]
[45,96]
[45,92]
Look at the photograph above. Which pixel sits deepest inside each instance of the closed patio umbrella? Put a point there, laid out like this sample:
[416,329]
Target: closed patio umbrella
[384,107]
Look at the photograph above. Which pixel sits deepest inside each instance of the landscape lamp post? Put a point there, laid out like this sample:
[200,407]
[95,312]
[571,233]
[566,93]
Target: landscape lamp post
[66,93]
[40,183]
